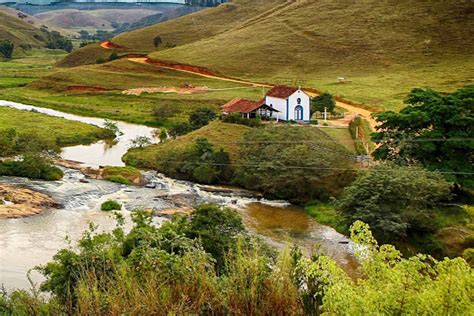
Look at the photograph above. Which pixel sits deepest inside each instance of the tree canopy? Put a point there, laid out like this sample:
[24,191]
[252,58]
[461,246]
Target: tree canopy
[393,200]
[325,100]
[435,130]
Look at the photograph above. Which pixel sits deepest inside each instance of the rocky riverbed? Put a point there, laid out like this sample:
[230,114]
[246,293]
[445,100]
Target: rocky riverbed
[17,202]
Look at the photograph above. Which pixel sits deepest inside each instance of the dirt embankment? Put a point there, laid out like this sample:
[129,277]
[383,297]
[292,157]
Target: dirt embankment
[111,45]
[18,202]
[177,90]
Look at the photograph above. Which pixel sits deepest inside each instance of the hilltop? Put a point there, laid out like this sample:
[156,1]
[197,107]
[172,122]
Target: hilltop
[383,48]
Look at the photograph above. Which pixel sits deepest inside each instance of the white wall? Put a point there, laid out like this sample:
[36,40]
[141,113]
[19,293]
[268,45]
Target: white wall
[305,103]
[278,104]
[281,105]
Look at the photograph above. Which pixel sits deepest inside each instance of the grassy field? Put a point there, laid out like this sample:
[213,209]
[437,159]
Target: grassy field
[222,135]
[312,43]
[19,32]
[341,135]
[52,129]
[56,90]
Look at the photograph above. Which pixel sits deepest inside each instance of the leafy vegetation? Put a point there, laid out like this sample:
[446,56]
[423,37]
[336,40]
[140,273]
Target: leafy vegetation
[6,48]
[111,205]
[323,102]
[32,166]
[123,175]
[300,164]
[201,163]
[206,263]
[434,130]
[393,200]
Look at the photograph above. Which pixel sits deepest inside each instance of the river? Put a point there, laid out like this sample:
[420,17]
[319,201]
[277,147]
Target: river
[27,242]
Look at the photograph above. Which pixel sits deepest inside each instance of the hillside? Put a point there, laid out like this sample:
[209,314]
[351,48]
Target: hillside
[19,32]
[383,48]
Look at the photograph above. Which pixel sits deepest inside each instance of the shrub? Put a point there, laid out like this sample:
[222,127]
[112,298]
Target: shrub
[111,205]
[236,118]
[300,164]
[123,175]
[393,200]
[180,129]
[201,117]
[31,166]
[325,100]
[6,48]
[113,56]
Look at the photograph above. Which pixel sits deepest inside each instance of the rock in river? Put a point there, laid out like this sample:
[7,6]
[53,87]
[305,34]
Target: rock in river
[23,202]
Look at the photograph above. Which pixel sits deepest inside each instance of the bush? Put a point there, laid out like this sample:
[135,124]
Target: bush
[6,48]
[200,162]
[31,166]
[123,175]
[325,100]
[180,129]
[111,205]
[395,201]
[113,56]
[287,162]
[201,117]
[236,118]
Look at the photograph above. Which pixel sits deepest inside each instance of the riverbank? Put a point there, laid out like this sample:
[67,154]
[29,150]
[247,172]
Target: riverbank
[17,202]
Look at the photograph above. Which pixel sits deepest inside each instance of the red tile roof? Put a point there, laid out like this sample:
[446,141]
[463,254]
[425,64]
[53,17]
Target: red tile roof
[281,92]
[241,106]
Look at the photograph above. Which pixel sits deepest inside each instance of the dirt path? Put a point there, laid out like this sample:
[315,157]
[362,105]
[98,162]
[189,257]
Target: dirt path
[366,114]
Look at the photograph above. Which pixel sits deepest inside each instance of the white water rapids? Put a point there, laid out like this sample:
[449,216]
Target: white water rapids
[28,242]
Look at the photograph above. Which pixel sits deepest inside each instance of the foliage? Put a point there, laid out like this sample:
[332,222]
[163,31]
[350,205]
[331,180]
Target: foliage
[434,130]
[31,166]
[201,117]
[54,40]
[163,135]
[322,101]
[111,205]
[6,48]
[180,129]
[112,127]
[392,284]
[393,200]
[157,41]
[173,268]
[140,142]
[356,129]
[236,118]
[123,175]
[293,163]
[201,163]
[113,56]
[326,214]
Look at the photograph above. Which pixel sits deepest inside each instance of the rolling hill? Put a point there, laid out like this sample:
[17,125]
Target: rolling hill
[384,48]
[19,32]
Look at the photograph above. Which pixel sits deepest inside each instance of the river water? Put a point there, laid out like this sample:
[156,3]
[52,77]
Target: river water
[27,242]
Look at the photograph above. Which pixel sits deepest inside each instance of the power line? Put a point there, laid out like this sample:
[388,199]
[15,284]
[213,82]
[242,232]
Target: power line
[309,167]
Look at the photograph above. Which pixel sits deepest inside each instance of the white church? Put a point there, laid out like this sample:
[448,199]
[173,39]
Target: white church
[281,103]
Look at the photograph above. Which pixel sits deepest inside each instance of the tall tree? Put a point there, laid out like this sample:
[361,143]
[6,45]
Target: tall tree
[323,101]
[435,130]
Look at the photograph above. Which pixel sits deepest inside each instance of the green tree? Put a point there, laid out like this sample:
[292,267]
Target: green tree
[393,200]
[6,48]
[434,130]
[293,163]
[392,285]
[325,100]
[201,117]
[157,41]
[113,56]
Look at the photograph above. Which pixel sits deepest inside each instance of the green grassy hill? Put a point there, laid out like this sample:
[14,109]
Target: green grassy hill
[22,34]
[383,48]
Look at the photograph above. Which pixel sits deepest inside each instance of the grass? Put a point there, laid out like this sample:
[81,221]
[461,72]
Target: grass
[341,135]
[57,130]
[222,135]
[123,175]
[19,32]
[313,43]
[111,205]
[326,214]
[52,91]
